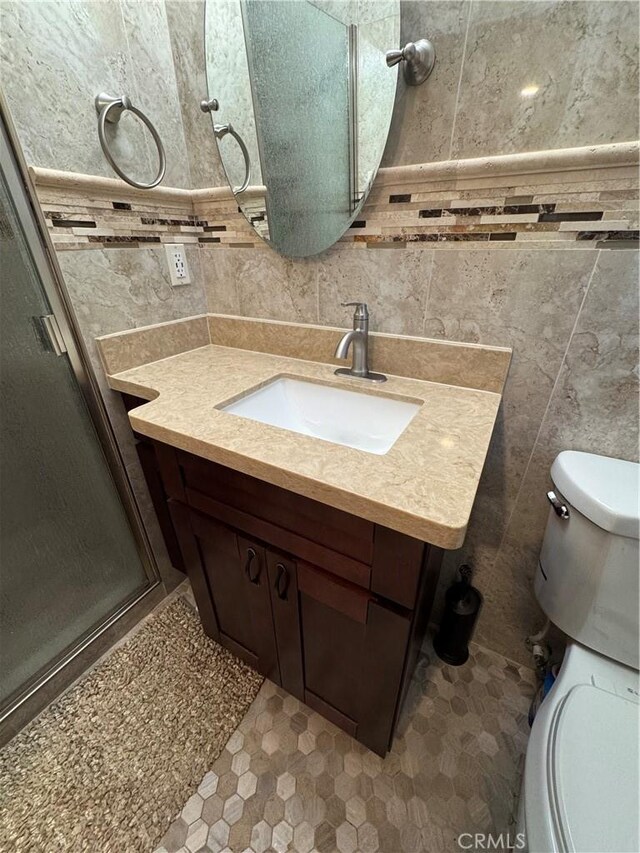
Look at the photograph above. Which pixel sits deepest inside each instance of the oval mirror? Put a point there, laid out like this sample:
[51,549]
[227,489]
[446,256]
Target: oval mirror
[304,102]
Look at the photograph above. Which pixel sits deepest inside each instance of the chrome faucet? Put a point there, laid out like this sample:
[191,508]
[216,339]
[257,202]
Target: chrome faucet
[358,340]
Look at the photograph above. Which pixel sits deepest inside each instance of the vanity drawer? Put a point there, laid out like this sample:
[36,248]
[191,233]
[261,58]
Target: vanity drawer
[339,531]
[388,563]
[279,537]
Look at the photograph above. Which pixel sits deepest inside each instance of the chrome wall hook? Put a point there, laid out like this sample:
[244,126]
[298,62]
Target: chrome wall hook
[419,58]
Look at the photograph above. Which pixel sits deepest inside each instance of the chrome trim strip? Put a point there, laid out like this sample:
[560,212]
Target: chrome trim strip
[43,678]
[353,59]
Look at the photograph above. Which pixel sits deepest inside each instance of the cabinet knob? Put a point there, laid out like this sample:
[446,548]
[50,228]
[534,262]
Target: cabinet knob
[282,581]
[251,555]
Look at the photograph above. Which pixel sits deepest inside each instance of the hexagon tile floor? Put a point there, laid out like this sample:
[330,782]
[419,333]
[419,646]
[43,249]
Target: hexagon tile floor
[288,780]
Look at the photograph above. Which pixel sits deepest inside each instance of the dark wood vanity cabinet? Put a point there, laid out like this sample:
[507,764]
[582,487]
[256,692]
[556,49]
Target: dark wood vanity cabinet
[147,457]
[330,606]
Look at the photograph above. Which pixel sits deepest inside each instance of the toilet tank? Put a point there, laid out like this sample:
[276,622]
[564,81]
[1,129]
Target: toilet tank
[587,576]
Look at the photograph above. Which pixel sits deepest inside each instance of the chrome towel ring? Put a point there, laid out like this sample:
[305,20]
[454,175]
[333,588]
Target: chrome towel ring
[221,130]
[110,109]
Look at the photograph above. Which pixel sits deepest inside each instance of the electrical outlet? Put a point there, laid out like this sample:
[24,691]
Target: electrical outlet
[178,269]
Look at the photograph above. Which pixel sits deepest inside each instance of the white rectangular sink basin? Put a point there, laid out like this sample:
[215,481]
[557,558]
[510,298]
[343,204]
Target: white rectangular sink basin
[364,421]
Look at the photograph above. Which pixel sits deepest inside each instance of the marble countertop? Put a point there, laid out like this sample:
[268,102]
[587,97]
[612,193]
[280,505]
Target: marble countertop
[423,486]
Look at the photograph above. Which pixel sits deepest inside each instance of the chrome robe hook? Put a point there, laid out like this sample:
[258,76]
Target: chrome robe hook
[419,57]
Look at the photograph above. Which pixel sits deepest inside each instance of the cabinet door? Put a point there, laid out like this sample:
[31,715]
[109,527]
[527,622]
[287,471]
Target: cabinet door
[353,655]
[283,586]
[237,579]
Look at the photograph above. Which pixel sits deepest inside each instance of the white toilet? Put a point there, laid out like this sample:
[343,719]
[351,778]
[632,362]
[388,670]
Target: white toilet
[581,782]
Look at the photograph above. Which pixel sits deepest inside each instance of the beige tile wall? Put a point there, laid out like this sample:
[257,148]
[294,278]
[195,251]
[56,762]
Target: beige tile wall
[571,316]
[593,407]
[186,26]
[582,54]
[57,55]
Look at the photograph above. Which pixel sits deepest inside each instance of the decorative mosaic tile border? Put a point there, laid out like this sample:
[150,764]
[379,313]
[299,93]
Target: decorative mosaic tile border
[554,199]
[503,218]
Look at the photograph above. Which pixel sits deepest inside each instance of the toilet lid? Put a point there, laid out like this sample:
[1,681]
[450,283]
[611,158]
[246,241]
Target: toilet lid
[593,771]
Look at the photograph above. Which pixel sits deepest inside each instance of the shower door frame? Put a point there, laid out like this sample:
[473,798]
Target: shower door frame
[47,684]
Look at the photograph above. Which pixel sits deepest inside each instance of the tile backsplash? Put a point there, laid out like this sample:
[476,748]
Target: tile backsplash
[548,199]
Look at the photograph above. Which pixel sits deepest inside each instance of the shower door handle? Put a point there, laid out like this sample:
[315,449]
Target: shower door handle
[49,334]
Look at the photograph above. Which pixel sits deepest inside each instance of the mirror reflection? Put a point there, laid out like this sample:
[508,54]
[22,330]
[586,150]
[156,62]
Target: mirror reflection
[304,101]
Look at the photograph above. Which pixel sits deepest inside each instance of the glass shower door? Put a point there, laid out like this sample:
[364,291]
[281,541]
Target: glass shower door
[68,556]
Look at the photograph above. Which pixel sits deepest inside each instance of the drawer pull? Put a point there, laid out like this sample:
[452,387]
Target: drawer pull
[251,555]
[282,581]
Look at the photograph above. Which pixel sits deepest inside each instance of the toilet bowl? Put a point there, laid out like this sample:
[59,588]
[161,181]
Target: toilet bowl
[581,780]
[580,788]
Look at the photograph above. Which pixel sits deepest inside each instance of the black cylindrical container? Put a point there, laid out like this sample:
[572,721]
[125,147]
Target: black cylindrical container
[462,605]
